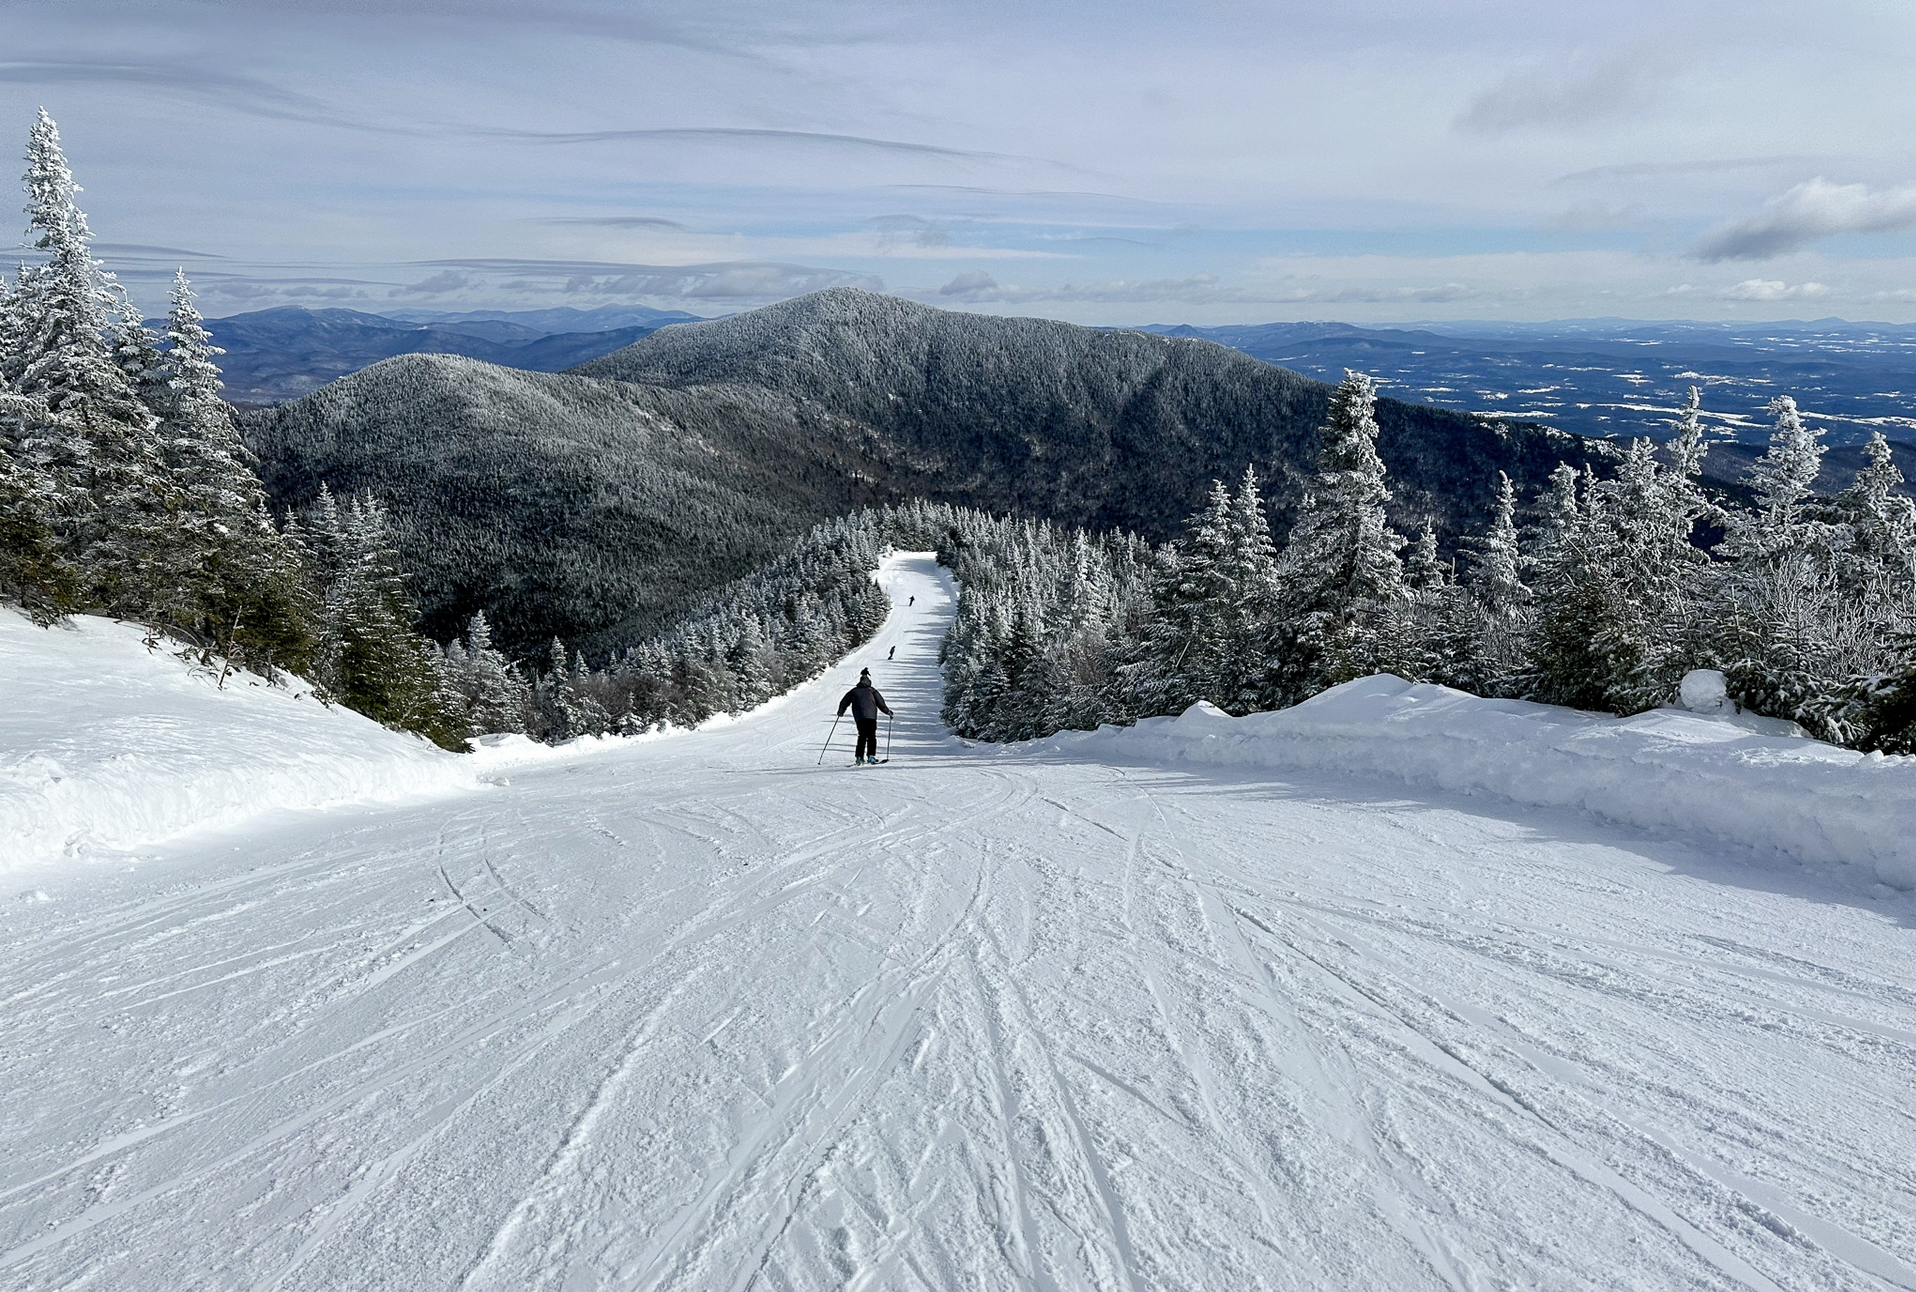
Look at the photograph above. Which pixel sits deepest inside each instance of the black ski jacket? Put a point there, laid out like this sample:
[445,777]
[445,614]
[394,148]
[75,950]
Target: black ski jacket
[864,702]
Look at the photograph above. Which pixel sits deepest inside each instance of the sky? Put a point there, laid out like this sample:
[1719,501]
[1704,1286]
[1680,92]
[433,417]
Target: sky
[1208,162]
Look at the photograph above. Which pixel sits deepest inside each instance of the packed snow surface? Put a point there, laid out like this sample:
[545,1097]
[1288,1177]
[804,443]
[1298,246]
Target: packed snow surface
[698,1013]
[108,740]
[1729,777]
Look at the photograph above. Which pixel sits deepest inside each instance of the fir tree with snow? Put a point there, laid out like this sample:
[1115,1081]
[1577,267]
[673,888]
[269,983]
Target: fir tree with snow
[1343,582]
[1785,630]
[368,657]
[77,419]
[491,693]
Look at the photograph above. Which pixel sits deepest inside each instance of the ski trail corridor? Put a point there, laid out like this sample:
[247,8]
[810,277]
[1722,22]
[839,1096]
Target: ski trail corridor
[696,1013]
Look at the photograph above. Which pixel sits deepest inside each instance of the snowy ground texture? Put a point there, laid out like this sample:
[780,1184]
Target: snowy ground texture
[1709,777]
[107,741]
[1104,1012]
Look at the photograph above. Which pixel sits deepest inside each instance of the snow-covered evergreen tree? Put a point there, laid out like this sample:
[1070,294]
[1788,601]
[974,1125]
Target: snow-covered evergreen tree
[34,568]
[1494,566]
[1619,582]
[78,420]
[1343,582]
[1485,633]
[368,657]
[1878,564]
[1214,597]
[1784,631]
[491,693]
[1783,479]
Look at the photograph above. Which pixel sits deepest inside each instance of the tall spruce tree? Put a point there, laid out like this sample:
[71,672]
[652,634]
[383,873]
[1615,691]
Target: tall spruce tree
[1343,581]
[248,588]
[1213,601]
[1619,581]
[1878,564]
[78,419]
[1484,645]
[34,568]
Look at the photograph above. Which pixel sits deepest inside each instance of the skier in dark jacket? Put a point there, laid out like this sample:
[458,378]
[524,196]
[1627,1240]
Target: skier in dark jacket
[866,704]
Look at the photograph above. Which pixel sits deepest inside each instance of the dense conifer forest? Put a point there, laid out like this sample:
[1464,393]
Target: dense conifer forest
[1596,593]
[597,506]
[1599,593]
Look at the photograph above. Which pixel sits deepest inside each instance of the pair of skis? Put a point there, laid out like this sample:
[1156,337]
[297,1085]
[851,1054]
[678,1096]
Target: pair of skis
[834,731]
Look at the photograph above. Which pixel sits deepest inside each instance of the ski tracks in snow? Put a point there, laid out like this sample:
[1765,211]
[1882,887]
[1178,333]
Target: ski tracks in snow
[696,1015]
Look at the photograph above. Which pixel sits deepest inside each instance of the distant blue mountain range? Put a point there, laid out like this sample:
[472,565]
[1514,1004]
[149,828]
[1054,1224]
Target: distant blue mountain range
[1595,377]
[1615,377]
[280,354]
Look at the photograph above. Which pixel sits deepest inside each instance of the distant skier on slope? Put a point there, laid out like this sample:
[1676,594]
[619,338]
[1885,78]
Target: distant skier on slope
[892,653]
[866,704]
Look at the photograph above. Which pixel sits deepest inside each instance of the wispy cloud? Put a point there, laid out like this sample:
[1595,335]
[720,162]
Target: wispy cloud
[979,287]
[614,221]
[248,94]
[1597,216]
[1702,166]
[726,281]
[1810,211]
[749,135]
[1564,93]
[987,191]
[140,251]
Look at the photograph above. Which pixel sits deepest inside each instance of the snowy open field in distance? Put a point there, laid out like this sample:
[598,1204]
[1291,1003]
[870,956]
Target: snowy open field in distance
[1100,1012]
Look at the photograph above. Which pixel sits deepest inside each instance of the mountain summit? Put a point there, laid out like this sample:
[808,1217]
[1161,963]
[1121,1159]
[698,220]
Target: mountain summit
[1082,425]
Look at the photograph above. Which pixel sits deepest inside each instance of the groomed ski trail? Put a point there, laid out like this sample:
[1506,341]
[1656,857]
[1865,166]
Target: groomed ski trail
[699,1014]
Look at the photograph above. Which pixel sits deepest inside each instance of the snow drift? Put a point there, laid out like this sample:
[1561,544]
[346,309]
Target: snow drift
[1662,770]
[105,743]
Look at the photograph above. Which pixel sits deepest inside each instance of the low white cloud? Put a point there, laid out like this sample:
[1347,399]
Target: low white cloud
[744,281]
[978,287]
[1772,289]
[1812,210]
[975,285]
[446,280]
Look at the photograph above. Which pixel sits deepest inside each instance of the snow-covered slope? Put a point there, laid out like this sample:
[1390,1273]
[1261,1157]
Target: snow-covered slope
[105,743]
[1668,771]
[697,1013]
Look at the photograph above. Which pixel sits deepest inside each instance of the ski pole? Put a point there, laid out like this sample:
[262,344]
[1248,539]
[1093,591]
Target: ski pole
[889,719]
[828,740]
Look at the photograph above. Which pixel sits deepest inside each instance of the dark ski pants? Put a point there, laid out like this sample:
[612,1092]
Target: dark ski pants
[867,738]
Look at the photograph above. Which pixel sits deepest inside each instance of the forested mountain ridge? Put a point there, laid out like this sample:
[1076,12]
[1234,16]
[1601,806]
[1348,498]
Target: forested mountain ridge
[596,505]
[1103,428]
[595,511]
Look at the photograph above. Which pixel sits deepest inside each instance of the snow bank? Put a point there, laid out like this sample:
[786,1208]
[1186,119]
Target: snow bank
[1662,770]
[106,744]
